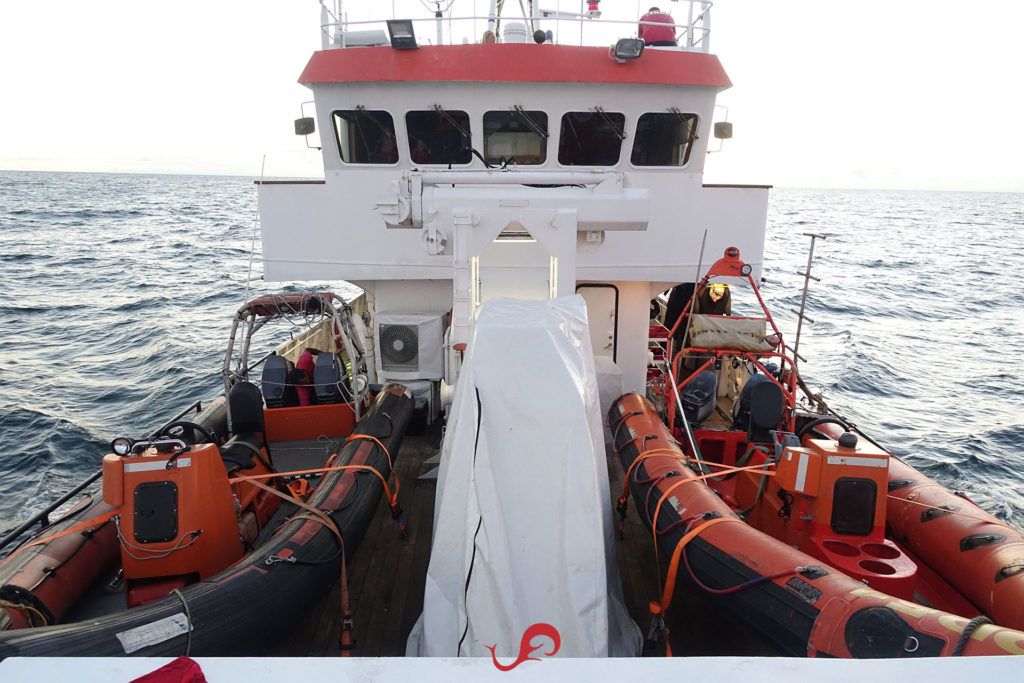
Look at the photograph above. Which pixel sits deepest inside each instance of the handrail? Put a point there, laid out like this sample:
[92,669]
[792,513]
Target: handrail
[43,517]
[693,35]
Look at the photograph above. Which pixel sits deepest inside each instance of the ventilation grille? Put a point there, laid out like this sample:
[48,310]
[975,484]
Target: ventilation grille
[399,347]
[409,346]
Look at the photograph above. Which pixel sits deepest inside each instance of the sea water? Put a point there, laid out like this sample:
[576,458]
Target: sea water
[117,292]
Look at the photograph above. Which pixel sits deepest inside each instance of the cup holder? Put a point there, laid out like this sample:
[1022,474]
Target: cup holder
[840,548]
[881,551]
[877,567]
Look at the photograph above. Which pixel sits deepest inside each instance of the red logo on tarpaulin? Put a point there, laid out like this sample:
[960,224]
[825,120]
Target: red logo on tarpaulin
[526,648]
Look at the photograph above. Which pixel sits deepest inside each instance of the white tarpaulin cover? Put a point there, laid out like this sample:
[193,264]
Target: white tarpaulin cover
[523,521]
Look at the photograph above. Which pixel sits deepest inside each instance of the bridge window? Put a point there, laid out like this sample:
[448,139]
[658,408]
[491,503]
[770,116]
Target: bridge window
[664,139]
[590,138]
[517,134]
[365,136]
[438,137]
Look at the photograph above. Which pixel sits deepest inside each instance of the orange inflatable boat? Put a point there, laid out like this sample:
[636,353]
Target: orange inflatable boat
[785,516]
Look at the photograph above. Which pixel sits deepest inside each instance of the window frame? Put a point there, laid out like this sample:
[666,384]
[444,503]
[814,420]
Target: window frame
[338,115]
[462,118]
[687,155]
[530,114]
[609,126]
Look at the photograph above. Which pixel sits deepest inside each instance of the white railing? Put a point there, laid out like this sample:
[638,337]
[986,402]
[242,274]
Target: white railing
[586,27]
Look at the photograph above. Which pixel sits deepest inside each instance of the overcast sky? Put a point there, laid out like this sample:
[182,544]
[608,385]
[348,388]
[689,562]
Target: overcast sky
[912,94]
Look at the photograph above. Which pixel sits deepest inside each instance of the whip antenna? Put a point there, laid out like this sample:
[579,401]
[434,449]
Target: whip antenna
[255,224]
[696,281]
[803,298]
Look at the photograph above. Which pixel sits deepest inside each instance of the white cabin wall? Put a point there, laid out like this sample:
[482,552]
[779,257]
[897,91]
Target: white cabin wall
[670,251]
[352,241]
[331,230]
[395,296]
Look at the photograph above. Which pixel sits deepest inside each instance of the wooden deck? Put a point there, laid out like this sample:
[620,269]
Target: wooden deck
[387,573]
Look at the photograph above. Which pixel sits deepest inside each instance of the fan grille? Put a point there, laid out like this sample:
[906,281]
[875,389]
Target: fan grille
[399,346]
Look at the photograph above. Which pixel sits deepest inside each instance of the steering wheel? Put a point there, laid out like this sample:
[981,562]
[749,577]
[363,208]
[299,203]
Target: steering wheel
[820,421]
[187,431]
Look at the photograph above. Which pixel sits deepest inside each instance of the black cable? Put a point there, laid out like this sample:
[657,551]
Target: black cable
[478,156]
[479,525]
[469,575]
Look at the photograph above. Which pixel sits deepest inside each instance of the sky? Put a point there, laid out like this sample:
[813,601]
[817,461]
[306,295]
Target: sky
[908,94]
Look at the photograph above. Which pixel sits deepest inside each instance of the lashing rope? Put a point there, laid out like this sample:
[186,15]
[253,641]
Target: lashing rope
[356,437]
[396,510]
[742,586]
[345,640]
[27,610]
[253,478]
[624,498]
[688,480]
[965,635]
[94,522]
[660,607]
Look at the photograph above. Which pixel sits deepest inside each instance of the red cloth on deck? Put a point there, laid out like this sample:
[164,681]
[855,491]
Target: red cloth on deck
[180,670]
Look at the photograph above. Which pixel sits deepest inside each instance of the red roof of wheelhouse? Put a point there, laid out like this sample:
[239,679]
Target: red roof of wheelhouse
[517,62]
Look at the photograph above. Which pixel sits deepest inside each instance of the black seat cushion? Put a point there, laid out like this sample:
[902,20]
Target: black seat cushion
[767,403]
[245,409]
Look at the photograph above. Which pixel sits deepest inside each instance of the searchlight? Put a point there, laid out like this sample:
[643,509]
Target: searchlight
[401,34]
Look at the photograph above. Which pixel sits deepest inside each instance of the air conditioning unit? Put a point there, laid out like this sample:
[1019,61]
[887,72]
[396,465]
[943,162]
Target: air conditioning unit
[409,345]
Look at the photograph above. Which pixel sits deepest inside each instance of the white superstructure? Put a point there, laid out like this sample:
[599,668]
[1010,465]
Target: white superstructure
[454,173]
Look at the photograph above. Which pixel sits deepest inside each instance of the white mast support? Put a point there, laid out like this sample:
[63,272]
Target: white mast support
[474,231]
[325,34]
[689,30]
[705,43]
[332,29]
[492,19]
[463,277]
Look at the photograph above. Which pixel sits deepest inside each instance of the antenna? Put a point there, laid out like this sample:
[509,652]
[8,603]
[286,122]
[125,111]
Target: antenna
[803,298]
